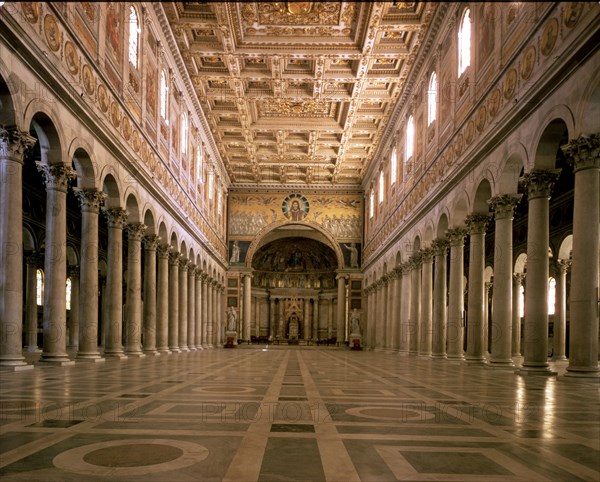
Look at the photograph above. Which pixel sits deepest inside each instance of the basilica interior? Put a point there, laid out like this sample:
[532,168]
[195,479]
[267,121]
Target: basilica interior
[334,241]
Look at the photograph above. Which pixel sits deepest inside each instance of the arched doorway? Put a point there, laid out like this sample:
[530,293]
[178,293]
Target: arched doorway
[294,279]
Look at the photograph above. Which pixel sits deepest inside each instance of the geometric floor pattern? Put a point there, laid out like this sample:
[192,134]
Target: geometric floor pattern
[287,414]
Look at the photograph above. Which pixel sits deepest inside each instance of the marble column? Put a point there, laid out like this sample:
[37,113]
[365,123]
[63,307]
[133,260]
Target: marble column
[516,314]
[150,296]
[504,208]
[486,317]
[330,319]
[257,302]
[73,343]
[57,179]
[198,309]
[539,184]
[103,320]
[184,265]
[31,309]
[162,300]
[584,154]
[191,307]
[315,319]
[220,332]
[174,259]
[425,336]
[90,201]
[415,305]
[247,305]
[380,312]
[306,330]
[456,308]
[560,323]
[215,315]
[209,314]
[477,224]
[205,303]
[405,307]
[440,312]
[396,307]
[13,145]
[341,310]
[113,346]
[272,319]
[389,310]
[133,303]
[368,321]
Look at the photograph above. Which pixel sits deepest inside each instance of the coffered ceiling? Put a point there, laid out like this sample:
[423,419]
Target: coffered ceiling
[298,93]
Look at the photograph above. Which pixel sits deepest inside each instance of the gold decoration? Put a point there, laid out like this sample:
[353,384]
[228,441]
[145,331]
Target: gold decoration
[89,82]
[510,83]
[135,142]
[115,114]
[549,36]
[126,128]
[71,58]
[103,101]
[480,118]
[31,11]
[493,103]
[572,13]
[52,32]
[528,62]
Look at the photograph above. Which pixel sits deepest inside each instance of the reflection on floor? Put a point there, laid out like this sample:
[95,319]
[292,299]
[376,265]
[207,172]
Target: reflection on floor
[303,414]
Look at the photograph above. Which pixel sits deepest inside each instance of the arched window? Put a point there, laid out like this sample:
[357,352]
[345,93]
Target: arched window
[521,301]
[134,35]
[164,95]
[393,166]
[68,296]
[410,137]
[464,42]
[199,163]
[381,187]
[39,287]
[551,296]
[211,182]
[432,99]
[183,134]
[372,203]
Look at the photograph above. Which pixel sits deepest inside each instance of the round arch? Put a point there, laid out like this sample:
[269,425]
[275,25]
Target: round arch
[262,238]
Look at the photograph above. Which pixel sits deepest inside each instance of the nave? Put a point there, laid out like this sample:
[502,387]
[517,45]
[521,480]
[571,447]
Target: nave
[272,414]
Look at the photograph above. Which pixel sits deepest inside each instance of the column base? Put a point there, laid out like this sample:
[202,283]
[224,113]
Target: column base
[174,349]
[89,357]
[506,364]
[117,355]
[210,346]
[583,374]
[439,356]
[424,355]
[151,353]
[536,370]
[559,358]
[184,348]
[60,361]
[135,354]
[164,351]
[14,366]
[192,348]
[34,349]
[475,360]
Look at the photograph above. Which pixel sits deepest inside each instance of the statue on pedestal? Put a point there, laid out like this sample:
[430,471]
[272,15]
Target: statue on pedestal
[231,332]
[355,336]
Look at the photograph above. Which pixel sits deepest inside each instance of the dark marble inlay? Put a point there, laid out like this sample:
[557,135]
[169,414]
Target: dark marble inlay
[283,461]
[133,455]
[453,463]
[292,427]
[134,395]
[50,423]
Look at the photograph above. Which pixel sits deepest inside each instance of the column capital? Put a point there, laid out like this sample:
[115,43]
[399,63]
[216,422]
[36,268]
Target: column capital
[415,260]
[174,258]
[518,278]
[539,182]
[563,265]
[117,217]
[150,241]
[135,231]
[73,271]
[90,199]
[426,255]
[14,143]
[440,246]
[56,176]
[198,273]
[477,223]
[456,236]
[340,276]
[163,251]
[192,269]
[204,277]
[583,152]
[504,205]
[184,263]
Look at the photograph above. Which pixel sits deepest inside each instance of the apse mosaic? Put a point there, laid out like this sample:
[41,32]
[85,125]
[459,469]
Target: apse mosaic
[339,214]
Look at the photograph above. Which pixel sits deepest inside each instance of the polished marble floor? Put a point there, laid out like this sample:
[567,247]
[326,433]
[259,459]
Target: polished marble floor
[295,414]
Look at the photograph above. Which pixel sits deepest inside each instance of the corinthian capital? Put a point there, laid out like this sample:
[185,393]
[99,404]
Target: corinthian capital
[57,176]
[135,231]
[14,143]
[456,236]
[539,182]
[504,205]
[477,223]
[583,152]
[89,199]
[116,217]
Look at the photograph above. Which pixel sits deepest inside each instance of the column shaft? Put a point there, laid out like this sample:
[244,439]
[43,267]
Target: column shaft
[425,337]
[516,314]
[150,296]
[456,308]
[162,300]
[183,305]
[341,310]
[560,321]
[440,312]
[415,306]
[247,305]
[31,313]
[174,302]
[405,306]
[205,303]
[133,332]
[74,319]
